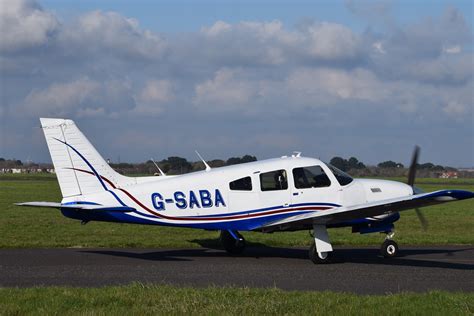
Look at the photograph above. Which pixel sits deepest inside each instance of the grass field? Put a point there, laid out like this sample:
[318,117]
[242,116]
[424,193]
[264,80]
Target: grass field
[23,227]
[138,299]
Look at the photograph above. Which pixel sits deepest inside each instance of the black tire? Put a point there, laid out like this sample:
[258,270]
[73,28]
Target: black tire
[324,257]
[231,245]
[389,249]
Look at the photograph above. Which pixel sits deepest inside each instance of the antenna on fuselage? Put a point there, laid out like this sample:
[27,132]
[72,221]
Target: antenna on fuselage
[208,168]
[159,169]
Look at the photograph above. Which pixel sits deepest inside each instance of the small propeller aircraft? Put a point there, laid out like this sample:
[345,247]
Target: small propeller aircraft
[283,194]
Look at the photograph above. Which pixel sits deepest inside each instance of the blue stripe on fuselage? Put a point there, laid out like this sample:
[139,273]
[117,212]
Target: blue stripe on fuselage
[243,224]
[265,209]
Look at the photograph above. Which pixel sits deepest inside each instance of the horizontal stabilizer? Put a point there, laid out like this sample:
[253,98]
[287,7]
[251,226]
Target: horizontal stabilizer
[79,206]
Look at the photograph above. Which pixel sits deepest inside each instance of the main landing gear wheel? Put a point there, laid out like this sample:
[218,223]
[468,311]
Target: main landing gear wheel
[319,257]
[389,249]
[233,242]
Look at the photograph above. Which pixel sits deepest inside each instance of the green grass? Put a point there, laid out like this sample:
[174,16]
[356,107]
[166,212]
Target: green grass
[23,227]
[138,299]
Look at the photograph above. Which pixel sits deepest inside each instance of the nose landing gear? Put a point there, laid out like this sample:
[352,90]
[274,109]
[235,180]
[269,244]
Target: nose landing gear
[233,242]
[321,249]
[389,247]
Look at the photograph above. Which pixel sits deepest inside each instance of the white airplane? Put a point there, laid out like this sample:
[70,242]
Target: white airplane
[282,194]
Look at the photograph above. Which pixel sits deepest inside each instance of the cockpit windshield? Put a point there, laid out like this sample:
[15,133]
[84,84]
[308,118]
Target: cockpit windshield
[341,177]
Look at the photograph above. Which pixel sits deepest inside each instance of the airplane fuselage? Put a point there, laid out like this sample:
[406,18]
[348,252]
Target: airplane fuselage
[240,197]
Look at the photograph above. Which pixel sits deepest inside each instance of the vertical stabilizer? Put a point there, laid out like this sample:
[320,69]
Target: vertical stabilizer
[80,169]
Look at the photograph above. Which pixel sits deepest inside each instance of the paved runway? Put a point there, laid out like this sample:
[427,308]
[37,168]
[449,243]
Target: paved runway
[358,270]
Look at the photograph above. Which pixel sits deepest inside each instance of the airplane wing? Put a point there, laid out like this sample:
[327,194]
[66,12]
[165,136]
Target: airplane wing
[343,214]
[79,206]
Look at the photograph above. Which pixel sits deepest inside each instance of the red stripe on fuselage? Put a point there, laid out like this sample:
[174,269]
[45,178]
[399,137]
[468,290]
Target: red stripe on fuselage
[285,210]
[312,208]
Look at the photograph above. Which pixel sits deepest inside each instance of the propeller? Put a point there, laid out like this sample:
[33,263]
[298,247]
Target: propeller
[411,182]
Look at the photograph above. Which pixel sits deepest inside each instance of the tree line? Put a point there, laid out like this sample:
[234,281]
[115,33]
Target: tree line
[353,163]
[387,168]
[175,165]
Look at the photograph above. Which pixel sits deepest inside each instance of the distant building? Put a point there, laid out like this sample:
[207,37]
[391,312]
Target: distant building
[27,170]
[466,169]
[448,175]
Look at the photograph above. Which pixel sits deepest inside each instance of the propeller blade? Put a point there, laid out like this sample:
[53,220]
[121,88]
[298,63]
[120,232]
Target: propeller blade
[421,217]
[411,182]
[412,170]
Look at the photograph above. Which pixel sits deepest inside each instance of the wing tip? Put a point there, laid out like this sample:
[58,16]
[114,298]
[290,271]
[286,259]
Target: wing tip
[461,194]
[453,194]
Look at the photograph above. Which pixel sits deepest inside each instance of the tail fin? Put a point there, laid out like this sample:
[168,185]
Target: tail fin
[80,169]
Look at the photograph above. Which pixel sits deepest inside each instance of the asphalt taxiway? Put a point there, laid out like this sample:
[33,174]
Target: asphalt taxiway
[358,270]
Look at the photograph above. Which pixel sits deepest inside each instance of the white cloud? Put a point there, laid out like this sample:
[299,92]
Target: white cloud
[263,31]
[61,96]
[24,24]
[248,42]
[81,97]
[217,28]
[326,86]
[331,41]
[157,91]
[91,112]
[112,34]
[154,97]
[456,49]
[454,108]
[266,30]
[378,46]
[448,68]
[270,43]
[225,91]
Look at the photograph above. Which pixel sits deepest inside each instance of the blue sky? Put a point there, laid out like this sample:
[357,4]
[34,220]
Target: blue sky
[189,16]
[160,78]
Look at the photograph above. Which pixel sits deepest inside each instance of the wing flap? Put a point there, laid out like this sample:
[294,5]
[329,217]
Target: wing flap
[342,214]
[79,206]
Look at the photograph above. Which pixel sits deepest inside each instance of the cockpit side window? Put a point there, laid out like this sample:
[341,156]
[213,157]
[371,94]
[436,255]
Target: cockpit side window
[274,180]
[341,177]
[242,184]
[310,177]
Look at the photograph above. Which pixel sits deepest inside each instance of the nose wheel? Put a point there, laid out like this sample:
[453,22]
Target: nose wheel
[321,248]
[319,257]
[389,247]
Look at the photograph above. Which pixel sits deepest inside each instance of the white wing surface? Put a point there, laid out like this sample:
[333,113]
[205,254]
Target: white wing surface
[344,214]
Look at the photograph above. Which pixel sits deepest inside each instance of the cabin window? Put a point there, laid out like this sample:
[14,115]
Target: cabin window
[310,177]
[273,180]
[342,177]
[243,184]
